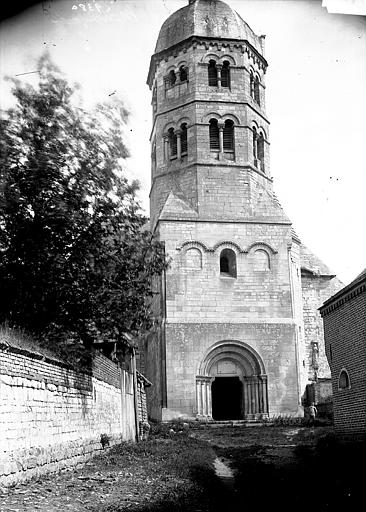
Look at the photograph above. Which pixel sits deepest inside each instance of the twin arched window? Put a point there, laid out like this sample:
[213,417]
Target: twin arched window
[255,88]
[177,142]
[219,74]
[224,143]
[173,78]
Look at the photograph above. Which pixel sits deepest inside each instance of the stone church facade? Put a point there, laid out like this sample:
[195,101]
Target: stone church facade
[238,333]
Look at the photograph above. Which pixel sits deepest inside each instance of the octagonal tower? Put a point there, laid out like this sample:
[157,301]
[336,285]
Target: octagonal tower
[229,343]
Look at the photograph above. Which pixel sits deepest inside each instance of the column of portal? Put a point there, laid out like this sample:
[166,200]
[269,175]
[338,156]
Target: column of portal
[209,398]
[246,397]
[198,397]
[264,393]
[250,403]
[203,397]
[256,395]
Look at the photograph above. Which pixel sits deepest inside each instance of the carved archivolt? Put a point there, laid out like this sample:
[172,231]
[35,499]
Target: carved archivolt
[223,117]
[218,58]
[261,245]
[228,243]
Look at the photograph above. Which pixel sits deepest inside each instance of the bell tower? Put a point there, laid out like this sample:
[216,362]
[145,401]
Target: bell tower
[229,305]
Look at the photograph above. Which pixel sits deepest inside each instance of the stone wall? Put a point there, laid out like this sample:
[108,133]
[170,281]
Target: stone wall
[53,417]
[315,290]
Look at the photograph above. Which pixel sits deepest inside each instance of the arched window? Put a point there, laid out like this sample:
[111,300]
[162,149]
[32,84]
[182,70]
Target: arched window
[172,140]
[228,263]
[255,138]
[225,74]
[193,259]
[257,98]
[183,139]
[229,136]
[343,380]
[260,151]
[154,101]
[214,135]
[183,73]
[212,73]
[261,260]
[153,155]
[251,84]
[172,78]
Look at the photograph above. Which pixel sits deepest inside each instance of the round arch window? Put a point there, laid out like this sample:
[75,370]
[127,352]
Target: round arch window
[228,263]
[343,380]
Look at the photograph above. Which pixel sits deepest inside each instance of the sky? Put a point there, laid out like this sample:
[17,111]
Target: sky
[315,98]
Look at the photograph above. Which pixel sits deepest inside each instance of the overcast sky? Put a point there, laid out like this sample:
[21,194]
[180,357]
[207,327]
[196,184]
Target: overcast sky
[315,96]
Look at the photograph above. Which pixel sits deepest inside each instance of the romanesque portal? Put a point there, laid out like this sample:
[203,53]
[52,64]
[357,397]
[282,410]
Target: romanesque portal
[232,384]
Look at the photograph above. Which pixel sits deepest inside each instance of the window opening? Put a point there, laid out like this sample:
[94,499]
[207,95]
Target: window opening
[153,155]
[172,137]
[154,99]
[251,84]
[212,73]
[225,74]
[261,260]
[170,79]
[229,136]
[260,150]
[228,263]
[183,139]
[343,381]
[256,91]
[183,73]
[214,135]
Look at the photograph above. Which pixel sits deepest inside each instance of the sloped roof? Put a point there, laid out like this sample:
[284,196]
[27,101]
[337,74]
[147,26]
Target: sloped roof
[354,288]
[311,263]
[177,207]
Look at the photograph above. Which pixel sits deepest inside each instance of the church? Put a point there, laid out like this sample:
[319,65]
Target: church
[238,335]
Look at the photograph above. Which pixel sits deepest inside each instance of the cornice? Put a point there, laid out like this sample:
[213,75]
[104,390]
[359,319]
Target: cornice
[242,44]
[342,297]
[195,100]
[226,221]
[195,164]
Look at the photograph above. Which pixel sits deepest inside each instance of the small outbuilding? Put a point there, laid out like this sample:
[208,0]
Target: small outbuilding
[344,318]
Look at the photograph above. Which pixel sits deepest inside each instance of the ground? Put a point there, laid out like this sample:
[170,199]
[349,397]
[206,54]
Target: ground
[286,467]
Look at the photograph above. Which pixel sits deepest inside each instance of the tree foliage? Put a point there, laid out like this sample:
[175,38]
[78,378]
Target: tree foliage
[75,261]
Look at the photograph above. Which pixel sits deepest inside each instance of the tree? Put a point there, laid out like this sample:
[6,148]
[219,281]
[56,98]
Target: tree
[75,261]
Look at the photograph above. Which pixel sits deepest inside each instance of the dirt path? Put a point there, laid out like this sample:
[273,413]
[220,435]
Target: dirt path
[257,468]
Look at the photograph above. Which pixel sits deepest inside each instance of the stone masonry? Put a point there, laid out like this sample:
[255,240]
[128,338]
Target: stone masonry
[53,417]
[231,305]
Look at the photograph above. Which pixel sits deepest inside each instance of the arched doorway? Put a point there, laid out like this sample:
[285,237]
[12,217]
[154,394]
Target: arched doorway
[232,383]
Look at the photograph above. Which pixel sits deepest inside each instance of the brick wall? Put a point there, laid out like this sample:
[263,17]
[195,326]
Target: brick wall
[52,417]
[345,338]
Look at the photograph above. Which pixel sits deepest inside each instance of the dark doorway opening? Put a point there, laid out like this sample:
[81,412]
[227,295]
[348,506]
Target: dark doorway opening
[226,398]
